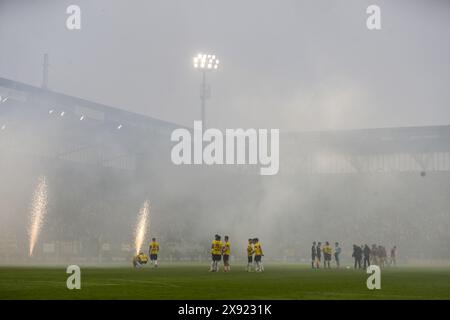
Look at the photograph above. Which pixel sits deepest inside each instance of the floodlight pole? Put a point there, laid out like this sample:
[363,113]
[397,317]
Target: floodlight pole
[203,99]
[45,66]
[205,62]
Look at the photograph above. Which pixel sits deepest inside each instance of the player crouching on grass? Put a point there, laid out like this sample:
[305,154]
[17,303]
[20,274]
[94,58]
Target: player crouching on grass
[216,253]
[258,255]
[250,252]
[226,250]
[140,260]
[153,252]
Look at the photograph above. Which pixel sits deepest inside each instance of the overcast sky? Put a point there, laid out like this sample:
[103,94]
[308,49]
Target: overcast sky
[288,64]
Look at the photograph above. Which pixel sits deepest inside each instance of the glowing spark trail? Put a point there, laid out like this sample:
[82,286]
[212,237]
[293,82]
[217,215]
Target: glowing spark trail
[38,212]
[141,227]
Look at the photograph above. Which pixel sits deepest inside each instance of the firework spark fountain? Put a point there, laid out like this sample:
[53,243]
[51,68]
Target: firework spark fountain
[141,227]
[38,212]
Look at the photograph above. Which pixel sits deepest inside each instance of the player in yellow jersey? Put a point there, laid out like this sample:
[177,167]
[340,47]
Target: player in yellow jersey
[327,250]
[250,252]
[258,255]
[226,251]
[153,252]
[139,260]
[216,253]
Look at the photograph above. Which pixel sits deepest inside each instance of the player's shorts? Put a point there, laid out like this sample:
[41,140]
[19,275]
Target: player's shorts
[216,257]
[226,259]
[318,258]
[327,257]
[258,258]
[250,259]
[313,258]
[153,257]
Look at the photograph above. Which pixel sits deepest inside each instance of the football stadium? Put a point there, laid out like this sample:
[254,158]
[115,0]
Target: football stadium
[93,205]
[100,163]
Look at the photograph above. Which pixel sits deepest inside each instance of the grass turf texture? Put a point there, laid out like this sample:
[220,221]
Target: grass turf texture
[188,281]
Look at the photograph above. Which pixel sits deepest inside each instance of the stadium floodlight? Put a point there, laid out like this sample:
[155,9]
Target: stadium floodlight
[62,113]
[205,62]
[81,118]
[119,127]
[3,99]
[50,111]
[3,127]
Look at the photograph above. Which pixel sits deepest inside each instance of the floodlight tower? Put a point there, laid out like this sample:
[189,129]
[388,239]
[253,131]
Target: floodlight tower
[45,66]
[205,62]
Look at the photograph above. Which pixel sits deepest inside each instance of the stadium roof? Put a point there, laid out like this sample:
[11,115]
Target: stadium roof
[378,140]
[96,139]
[24,92]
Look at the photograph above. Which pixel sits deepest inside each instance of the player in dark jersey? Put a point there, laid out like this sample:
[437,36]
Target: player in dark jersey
[313,254]
[366,254]
[357,255]
[318,254]
[393,261]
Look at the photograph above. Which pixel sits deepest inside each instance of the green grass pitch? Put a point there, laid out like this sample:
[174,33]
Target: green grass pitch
[191,282]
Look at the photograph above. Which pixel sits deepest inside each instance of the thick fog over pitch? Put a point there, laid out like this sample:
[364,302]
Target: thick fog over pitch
[297,66]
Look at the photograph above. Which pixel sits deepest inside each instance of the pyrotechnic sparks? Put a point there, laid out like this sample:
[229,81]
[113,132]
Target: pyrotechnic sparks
[38,211]
[141,227]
